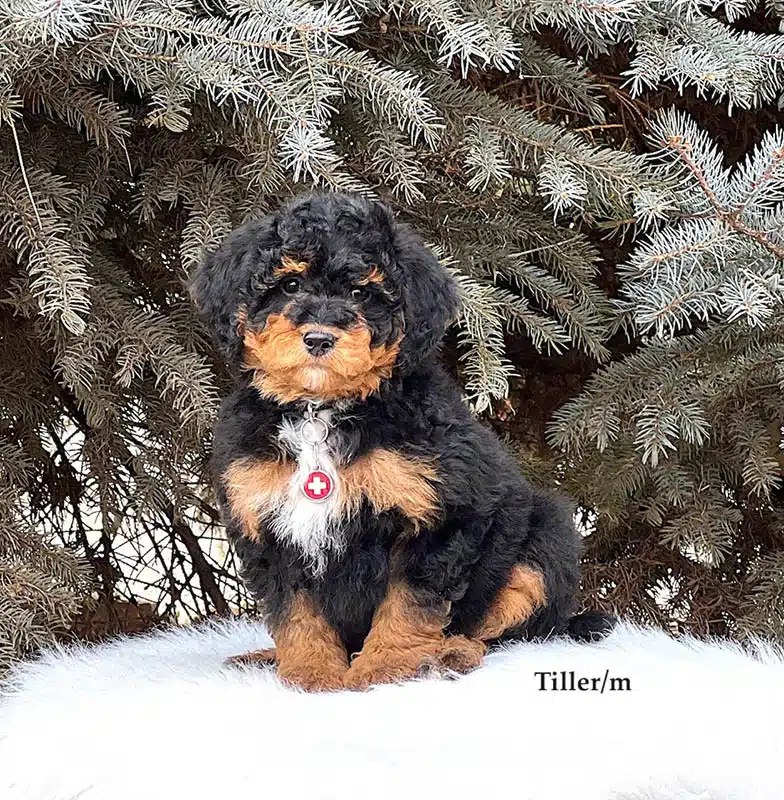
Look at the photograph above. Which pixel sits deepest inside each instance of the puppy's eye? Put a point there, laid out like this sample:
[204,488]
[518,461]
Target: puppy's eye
[290,285]
[359,293]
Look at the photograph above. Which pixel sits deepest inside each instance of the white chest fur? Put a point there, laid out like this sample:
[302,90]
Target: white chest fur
[314,527]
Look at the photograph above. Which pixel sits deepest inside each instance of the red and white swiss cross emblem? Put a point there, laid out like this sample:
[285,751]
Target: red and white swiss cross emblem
[317,486]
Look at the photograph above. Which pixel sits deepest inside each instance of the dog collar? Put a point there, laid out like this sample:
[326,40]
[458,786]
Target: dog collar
[318,484]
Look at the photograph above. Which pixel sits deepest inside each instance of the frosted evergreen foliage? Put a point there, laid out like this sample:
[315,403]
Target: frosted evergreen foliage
[623,294]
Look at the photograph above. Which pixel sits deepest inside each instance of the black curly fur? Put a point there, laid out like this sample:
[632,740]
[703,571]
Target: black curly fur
[490,518]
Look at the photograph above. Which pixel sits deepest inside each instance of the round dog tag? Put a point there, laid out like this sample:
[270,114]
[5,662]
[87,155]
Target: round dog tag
[317,486]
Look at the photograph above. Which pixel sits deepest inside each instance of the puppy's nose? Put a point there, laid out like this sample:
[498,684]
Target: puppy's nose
[318,342]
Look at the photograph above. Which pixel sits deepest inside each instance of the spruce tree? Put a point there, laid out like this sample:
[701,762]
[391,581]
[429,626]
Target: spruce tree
[606,181]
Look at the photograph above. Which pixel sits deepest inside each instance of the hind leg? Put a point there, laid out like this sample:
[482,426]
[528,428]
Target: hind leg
[526,582]
[539,597]
[523,593]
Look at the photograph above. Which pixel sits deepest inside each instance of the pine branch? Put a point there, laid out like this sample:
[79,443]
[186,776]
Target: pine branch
[728,216]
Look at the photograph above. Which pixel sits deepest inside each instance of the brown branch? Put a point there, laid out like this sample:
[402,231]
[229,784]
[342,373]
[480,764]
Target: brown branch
[72,494]
[183,531]
[200,564]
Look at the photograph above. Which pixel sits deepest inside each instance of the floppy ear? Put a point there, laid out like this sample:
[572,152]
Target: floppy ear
[222,284]
[430,300]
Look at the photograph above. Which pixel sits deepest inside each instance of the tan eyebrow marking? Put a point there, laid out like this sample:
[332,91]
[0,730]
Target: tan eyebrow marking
[290,266]
[374,276]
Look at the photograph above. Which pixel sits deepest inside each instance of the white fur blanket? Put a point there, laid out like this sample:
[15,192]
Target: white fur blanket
[160,717]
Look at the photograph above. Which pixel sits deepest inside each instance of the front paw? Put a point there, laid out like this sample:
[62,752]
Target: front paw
[369,669]
[312,677]
[461,654]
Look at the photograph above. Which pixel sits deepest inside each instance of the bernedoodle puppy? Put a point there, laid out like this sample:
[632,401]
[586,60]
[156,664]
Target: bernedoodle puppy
[383,530]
